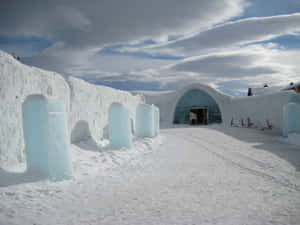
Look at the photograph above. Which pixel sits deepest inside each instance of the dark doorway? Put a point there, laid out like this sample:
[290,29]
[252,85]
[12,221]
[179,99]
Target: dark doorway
[199,116]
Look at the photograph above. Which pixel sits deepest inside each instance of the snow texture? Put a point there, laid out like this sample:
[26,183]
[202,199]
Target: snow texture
[46,137]
[145,121]
[291,119]
[86,105]
[198,175]
[262,112]
[119,126]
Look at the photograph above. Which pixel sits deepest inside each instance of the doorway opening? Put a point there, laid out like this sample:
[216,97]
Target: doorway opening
[203,106]
[198,116]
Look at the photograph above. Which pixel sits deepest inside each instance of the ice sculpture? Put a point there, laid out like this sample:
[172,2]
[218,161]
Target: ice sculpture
[156,120]
[119,126]
[46,137]
[144,121]
[291,119]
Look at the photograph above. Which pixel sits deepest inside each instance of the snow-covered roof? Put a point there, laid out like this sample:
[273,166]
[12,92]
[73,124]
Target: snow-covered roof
[292,85]
[274,89]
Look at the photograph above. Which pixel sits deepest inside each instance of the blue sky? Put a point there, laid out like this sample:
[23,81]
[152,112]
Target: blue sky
[159,45]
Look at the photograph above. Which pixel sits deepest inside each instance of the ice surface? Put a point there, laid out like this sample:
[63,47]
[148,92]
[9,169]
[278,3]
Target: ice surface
[291,119]
[196,98]
[156,120]
[145,121]
[46,137]
[120,126]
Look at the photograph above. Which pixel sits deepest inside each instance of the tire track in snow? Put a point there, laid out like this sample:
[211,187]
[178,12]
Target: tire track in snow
[285,183]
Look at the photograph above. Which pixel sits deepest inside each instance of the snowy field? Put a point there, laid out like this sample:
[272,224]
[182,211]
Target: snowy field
[188,175]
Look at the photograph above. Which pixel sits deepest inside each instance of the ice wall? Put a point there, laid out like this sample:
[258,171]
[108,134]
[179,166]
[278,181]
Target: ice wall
[167,101]
[119,126]
[90,104]
[145,121]
[47,143]
[259,109]
[84,103]
[18,81]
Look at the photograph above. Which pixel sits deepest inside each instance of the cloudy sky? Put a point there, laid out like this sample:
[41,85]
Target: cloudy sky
[158,44]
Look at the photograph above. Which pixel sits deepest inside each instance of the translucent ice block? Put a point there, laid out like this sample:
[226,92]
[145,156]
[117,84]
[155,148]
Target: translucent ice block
[46,137]
[119,126]
[291,119]
[60,163]
[144,121]
[156,120]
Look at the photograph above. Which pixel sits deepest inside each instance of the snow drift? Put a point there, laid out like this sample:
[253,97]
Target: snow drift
[85,104]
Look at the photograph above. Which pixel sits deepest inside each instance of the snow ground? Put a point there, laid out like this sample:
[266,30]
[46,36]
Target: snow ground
[189,175]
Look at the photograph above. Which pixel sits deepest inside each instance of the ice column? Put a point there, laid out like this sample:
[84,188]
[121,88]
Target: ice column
[156,120]
[119,126]
[291,119]
[144,121]
[46,137]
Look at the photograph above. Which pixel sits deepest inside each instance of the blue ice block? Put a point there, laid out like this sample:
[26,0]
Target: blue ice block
[60,163]
[291,119]
[46,137]
[295,98]
[156,120]
[119,126]
[144,121]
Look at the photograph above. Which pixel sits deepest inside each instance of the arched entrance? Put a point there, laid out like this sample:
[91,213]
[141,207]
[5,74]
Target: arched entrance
[197,107]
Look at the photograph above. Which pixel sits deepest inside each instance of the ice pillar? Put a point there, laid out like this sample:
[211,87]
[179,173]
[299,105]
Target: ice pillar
[119,126]
[144,121]
[156,120]
[291,119]
[46,137]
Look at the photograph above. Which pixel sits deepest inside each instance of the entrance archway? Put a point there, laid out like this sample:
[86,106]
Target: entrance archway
[197,107]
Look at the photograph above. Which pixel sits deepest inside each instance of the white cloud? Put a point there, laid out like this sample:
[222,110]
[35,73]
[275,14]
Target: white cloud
[97,23]
[230,34]
[250,65]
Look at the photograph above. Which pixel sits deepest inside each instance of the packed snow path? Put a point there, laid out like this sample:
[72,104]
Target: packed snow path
[197,176]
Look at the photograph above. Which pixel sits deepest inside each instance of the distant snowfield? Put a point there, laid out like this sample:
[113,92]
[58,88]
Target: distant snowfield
[188,175]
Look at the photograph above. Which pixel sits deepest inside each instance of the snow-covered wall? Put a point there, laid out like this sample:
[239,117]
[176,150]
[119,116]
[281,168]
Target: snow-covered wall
[86,104]
[90,105]
[167,101]
[18,81]
[259,109]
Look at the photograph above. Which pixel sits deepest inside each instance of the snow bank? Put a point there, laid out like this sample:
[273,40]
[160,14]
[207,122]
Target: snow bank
[86,105]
